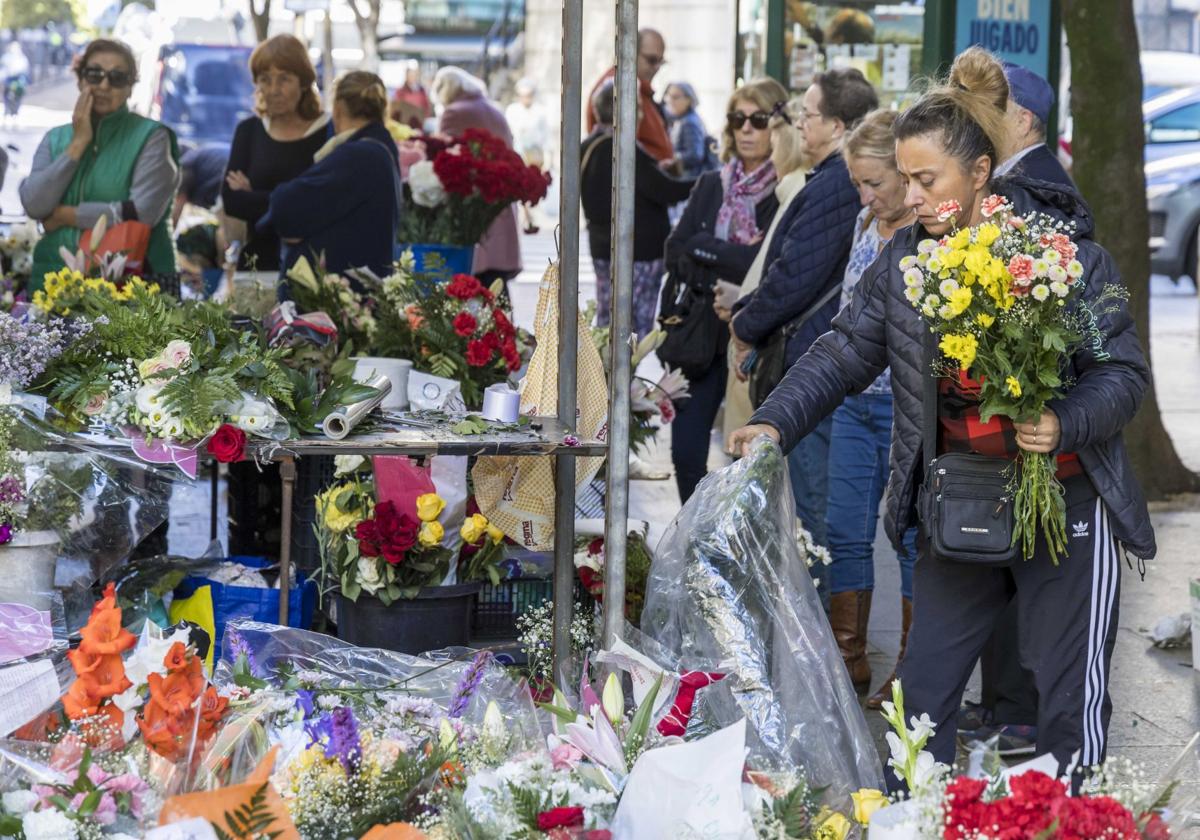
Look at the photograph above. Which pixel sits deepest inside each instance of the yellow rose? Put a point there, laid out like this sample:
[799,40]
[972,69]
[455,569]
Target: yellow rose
[431,533]
[474,528]
[335,518]
[430,506]
[1013,385]
[495,533]
[866,802]
[835,827]
[985,320]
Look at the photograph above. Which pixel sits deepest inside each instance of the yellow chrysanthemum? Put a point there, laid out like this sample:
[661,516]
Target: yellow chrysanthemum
[985,320]
[960,239]
[959,300]
[986,234]
[336,519]
[430,506]
[961,347]
[1013,385]
[431,533]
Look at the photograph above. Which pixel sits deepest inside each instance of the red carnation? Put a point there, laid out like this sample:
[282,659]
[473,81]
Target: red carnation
[465,323]
[390,534]
[463,287]
[492,339]
[228,444]
[512,357]
[503,325]
[560,817]
[478,353]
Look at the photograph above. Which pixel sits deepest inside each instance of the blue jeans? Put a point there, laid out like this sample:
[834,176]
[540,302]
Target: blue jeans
[808,470]
[691,430]
[858,467]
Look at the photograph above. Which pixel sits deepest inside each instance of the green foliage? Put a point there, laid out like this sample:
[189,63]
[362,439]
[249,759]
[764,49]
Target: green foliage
[413,773]
[796,809]
[31,14]
[250,821]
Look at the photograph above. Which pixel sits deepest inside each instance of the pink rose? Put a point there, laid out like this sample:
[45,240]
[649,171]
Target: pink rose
[947,209]
[96,404]
[177,353]
[992,205]
[566,756]
[1021,268]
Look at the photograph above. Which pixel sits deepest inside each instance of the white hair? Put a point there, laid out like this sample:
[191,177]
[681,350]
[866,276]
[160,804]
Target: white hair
[450,83]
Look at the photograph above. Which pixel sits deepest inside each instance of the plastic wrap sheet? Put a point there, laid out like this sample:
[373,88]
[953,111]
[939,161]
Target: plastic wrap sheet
[729,592]
[114,500]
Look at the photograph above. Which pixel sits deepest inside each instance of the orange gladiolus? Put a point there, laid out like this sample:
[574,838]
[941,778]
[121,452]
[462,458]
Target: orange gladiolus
[212,706]
[104,634]
[108,602]
[79,702]
[177,692]
[176,658]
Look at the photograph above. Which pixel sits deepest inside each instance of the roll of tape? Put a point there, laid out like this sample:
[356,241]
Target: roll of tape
[501,404]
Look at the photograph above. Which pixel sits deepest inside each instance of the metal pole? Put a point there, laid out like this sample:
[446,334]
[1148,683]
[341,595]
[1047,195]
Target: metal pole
[615,529]
[568,328]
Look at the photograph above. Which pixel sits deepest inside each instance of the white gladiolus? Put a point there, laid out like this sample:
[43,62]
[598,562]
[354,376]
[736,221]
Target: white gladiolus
[426,187]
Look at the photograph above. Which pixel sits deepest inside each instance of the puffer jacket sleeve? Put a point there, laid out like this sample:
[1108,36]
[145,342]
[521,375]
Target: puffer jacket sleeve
[846,359]
[1110,369]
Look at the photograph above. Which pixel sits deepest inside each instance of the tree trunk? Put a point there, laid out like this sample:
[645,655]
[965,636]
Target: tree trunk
[1108,144]
[368,30]
[261,18]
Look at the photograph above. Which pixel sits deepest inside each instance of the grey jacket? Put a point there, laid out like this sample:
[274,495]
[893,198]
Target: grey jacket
[879,328]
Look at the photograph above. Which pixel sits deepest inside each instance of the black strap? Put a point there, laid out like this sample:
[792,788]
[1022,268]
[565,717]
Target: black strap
[929,399]
[794,327]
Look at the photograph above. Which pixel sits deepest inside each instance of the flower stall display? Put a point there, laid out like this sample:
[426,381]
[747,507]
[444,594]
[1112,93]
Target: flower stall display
[456,330]
[315,290]
[1004,299]
[71,292]
[589,565]
[458,189]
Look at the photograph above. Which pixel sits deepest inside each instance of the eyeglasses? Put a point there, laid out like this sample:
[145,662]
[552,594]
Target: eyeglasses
[759,119]
[653,60]
[95,77]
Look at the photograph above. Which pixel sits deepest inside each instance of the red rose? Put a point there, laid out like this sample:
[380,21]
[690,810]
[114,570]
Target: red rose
[390,534]
[464,323]
[560,817]
[463,287]
[228,444]
[478,353]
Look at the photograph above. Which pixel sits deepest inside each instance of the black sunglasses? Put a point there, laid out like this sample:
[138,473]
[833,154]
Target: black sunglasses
[759,119]
[95,76]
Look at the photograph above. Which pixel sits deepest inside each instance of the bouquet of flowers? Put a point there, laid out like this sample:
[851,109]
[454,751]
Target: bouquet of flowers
[45,494]
[589,564]
[16,260]
[455,194]
[456,330]
[1002,297]
[70,292]
[378,548]
[315,290]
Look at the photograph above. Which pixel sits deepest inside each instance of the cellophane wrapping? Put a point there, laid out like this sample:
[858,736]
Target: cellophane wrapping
[729,591]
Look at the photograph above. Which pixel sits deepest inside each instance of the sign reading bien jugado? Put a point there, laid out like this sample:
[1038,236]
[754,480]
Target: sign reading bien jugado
[1016,30]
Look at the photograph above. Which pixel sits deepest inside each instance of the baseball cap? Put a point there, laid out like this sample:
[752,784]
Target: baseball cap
[1029,90]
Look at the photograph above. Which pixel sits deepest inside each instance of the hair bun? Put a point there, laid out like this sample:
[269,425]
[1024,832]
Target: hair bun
[978,72]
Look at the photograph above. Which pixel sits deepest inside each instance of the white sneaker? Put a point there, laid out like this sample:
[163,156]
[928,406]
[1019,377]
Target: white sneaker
[641,471]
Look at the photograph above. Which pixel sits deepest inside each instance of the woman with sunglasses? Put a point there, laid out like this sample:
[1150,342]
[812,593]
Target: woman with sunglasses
[108,162]
[717,238]
[805,264]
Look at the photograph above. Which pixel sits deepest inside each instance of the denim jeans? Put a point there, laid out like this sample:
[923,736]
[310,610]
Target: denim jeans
[808,470]
[691,431]
[858,473]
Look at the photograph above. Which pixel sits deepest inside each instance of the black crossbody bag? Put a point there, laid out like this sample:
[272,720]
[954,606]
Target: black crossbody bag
[770,362]
[965,504]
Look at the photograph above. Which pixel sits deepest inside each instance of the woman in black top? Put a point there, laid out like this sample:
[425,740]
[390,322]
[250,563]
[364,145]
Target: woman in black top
[717,238]
[275,146]
[654,193]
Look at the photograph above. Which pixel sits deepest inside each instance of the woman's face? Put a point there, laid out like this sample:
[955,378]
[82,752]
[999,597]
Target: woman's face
[932,177]
[880,187]
[678,102]
[280,92]
[753,145]
[109,79]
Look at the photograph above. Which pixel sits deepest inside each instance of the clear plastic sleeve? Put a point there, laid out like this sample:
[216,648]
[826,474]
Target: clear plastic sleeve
[728,591]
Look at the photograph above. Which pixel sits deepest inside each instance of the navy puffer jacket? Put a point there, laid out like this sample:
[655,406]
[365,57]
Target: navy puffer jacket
[878,328]
[806,258]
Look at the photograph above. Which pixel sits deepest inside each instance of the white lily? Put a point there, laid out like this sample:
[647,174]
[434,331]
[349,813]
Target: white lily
[613,699]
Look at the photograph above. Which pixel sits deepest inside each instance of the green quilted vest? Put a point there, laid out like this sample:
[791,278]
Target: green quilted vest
[105,173]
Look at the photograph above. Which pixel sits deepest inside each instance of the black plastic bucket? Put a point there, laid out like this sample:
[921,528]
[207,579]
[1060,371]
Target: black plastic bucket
[440,616]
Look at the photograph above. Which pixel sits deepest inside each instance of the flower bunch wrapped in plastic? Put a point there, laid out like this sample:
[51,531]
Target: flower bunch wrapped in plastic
[1004,298]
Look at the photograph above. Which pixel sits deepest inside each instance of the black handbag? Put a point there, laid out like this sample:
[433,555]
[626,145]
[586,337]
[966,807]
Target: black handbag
[966,504]
[695,336]
[771,358]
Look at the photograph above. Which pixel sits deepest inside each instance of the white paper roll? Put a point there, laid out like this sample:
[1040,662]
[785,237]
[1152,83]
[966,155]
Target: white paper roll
[501,404]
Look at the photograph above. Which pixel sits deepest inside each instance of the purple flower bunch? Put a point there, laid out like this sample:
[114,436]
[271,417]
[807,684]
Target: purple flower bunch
[31,346]
[469,684]
[337,733]
[12,493]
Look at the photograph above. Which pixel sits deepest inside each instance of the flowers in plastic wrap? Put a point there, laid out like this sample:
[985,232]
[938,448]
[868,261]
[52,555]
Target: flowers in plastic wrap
[589,565]
[535,634]
[316,290]
[457,330]
[100,674]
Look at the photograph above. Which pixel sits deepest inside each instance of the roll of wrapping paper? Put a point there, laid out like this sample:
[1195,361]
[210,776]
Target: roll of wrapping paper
[342,420]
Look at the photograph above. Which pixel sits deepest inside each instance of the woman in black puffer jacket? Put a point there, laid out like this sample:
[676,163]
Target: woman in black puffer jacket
[946,149]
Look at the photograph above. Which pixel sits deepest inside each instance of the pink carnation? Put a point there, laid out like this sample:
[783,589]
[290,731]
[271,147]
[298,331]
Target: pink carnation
[1016,223]
[947,209]
[1021,268]
[992,205]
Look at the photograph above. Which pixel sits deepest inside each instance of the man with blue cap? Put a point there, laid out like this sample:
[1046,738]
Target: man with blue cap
[1030,101]
[1008,709]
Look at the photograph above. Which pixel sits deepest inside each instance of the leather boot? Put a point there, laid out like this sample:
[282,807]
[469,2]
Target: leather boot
[875,701]
[848,615]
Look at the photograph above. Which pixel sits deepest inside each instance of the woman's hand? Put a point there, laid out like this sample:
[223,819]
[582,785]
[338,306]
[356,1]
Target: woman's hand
[723,313]
[741,351]
[238,181]
[62,216]
[1042,436]
[738,444]
[81,125]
